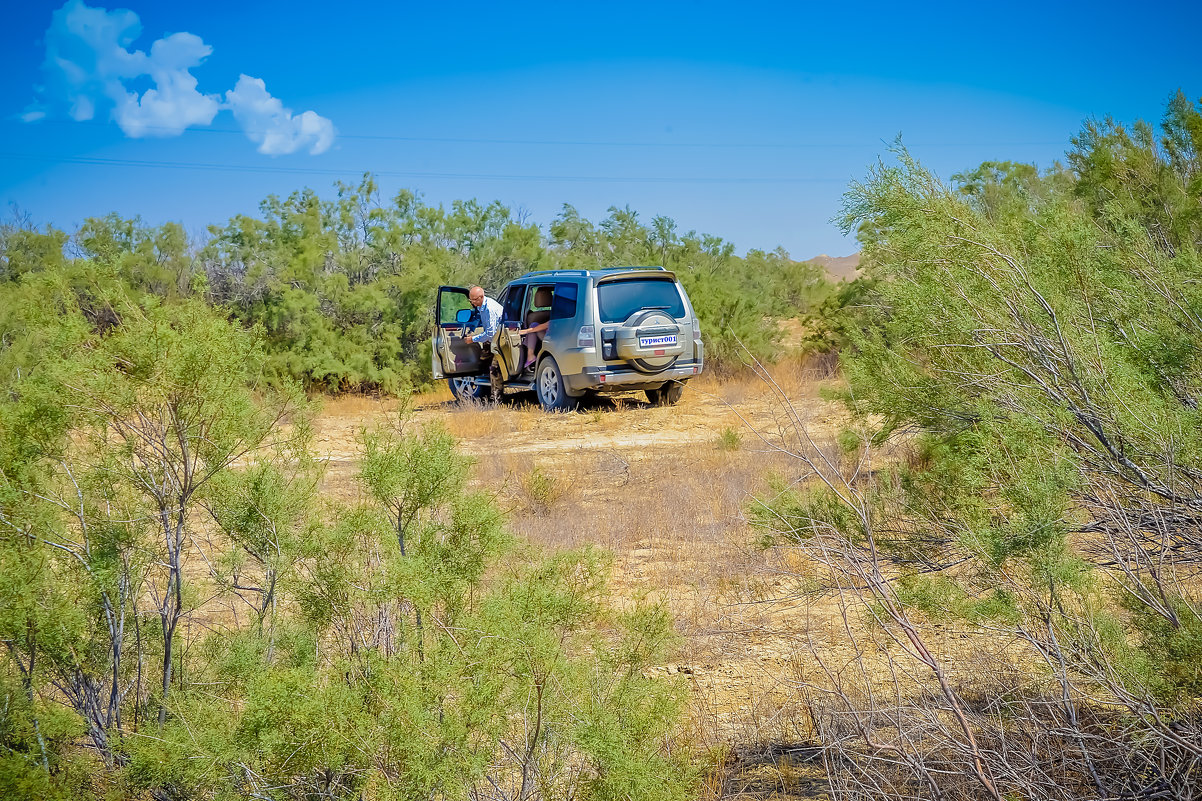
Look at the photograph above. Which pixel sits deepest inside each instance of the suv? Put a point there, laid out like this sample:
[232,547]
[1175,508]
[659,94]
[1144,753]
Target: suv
[610,330]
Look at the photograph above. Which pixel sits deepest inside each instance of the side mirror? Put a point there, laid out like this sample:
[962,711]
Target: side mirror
[462,316]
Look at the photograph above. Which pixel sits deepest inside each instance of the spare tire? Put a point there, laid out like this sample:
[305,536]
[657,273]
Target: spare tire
[650,341]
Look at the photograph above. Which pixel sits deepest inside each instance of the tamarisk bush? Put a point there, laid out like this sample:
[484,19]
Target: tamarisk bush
[420,661]
[185,615]
[1026,460]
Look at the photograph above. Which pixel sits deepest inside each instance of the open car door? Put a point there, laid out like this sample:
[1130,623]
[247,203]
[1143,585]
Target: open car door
[451,354]
[508,345]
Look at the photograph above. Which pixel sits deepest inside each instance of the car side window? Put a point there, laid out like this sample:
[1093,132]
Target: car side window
[563,305]
[513,303]
[450,303]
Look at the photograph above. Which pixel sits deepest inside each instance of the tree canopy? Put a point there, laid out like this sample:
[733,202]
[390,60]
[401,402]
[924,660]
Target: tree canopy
[342,289]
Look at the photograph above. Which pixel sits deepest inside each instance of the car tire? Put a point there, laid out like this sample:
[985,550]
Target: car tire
[667,395]
[464,388]
[549,386]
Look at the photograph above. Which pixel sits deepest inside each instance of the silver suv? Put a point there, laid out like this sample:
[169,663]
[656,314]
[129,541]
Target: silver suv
[610,330]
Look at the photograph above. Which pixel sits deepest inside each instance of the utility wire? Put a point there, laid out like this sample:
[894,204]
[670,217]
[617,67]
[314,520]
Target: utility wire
[580,142]
[253,168]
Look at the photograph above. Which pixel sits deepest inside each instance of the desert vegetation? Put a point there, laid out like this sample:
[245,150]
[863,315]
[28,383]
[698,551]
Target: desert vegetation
[945,545]
[1023,378]
[180,599]
[340,289]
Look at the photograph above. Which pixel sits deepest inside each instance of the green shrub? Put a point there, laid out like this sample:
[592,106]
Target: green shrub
[729,439]
[1029,344]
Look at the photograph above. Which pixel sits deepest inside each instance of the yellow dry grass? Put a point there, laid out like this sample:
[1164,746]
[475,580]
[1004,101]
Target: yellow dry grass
[666,493]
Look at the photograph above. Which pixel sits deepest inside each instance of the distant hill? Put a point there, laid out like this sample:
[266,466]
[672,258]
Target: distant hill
[840,268]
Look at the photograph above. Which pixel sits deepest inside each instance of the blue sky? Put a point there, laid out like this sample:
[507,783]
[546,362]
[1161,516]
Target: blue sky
[743,120]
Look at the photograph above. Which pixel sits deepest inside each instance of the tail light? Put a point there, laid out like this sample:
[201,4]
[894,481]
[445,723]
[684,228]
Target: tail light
[609,344]
[696,328]
[587,338]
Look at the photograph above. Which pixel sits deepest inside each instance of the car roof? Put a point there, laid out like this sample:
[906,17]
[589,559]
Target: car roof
[596,271]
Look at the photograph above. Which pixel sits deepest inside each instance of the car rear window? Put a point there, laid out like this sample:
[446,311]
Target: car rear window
[617,300]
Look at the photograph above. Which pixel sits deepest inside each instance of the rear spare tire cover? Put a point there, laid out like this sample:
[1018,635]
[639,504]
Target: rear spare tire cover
[638,343]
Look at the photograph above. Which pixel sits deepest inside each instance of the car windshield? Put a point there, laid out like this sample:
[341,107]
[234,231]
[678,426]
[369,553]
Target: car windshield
[617,300]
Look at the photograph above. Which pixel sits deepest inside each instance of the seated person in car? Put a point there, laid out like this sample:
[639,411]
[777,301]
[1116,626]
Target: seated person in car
[538,319]
[532,341]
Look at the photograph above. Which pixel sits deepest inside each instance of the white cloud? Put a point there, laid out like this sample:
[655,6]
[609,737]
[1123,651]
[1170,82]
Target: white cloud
[173,104]
[275,129]
[89,62]
[89,66]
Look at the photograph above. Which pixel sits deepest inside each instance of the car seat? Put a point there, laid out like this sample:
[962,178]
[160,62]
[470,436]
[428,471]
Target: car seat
[539,312]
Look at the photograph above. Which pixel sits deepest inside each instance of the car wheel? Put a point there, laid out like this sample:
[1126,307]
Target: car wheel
[466,388]
[548,384]
[667,395]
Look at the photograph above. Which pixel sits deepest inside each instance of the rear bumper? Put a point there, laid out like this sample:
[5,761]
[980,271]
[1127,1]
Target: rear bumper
[608,379]
[627,378]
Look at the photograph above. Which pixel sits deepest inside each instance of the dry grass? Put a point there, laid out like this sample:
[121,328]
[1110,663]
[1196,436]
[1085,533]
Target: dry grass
[666,494]
[666,490]
[355,406]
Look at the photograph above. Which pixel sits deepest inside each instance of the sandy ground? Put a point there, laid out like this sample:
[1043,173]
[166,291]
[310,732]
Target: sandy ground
[666,491]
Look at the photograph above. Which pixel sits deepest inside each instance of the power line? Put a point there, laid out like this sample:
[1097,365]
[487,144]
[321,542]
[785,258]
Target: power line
[584,142]
[253,168]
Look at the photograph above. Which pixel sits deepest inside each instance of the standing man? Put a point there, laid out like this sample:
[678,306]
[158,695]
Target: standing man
[489,312]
